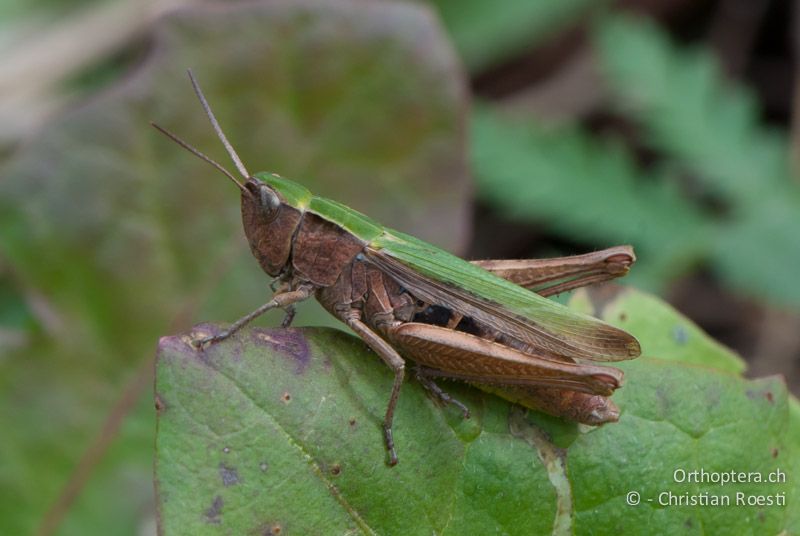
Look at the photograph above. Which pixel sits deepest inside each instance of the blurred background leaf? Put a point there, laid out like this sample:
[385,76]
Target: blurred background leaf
[582,186]
[709,131]
[711,147]
[484,34]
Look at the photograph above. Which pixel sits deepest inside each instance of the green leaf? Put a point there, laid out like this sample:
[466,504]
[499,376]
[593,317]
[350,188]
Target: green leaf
[282,428]
[116,233]
[662,331]
[686,419]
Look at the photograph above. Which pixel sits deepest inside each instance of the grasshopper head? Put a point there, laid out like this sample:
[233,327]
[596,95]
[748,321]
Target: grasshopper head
[269,224]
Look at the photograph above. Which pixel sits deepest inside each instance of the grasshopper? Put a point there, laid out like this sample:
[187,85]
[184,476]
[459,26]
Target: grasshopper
[480,322]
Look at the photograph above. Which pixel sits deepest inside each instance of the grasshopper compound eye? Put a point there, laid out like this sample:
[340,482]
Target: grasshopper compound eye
[268,200]
[264,197]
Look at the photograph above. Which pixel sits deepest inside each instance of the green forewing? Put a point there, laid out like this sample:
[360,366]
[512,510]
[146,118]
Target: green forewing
[501,304]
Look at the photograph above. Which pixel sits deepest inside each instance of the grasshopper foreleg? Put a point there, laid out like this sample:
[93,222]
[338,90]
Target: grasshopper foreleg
[438,392]
[389,356]
[282,299]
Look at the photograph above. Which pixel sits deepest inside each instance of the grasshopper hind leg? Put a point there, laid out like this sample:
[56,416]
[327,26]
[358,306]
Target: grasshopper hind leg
[438,392]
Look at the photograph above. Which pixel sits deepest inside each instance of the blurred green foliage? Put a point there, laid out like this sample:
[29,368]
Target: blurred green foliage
[720,194]
[582,186]
[486,33]
[709,128]
[13,11]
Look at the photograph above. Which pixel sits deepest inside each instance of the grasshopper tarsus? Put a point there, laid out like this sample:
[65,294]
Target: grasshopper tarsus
[204,342]
[440,393]
[289,317]
[387,436]
[197,344]
[457,403]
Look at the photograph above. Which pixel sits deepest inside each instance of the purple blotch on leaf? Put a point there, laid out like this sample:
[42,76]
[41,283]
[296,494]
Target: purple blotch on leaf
[214,511]
[288,342]
[229,475]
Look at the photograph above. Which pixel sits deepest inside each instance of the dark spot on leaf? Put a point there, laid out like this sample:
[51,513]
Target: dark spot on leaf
[757,395]
[273,529]
[214,511]
[352,421]
[774,453]
[623,317]
[288,342]
[688,523]
[713,396]
[286,397]
[664,400]
[680,334]
[270,528]
[161,405]
[229,475]
[336,469]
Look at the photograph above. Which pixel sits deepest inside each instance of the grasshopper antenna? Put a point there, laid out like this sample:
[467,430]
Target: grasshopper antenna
[202,156]
[221,135]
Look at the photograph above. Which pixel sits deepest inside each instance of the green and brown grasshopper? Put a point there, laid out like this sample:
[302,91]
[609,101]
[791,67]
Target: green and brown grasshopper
[472,321]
